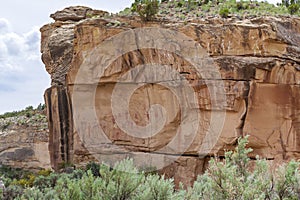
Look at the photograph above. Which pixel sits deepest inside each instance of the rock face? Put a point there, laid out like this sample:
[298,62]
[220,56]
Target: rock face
[171,94]
[24,142]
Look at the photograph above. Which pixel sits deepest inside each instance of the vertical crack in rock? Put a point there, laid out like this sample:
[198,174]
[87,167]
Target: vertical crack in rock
[283,146]
[64,124]
[58,122]
[246,99]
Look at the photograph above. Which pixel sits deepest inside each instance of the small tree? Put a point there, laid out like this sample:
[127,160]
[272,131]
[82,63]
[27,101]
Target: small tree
[224,12]
[146,9]
[293,8]
[292,5]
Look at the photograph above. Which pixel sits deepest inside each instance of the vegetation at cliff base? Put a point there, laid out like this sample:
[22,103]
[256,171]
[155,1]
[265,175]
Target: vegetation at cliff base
[190,9]
[234,177]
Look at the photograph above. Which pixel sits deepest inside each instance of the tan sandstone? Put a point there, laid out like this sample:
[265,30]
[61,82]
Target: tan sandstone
[256,88]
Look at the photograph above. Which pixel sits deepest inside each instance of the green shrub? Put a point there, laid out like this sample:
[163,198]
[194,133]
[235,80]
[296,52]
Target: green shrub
[192,4]
[146,9]
[242,5]
[36,194]
[44,172]
[293,8]
[122,181]
[13,173]
[156,187]
[233,177]
[12,192]
[287,181]
[66,166]
[180,3]
[25,182]
[224,12]
[29,111]
[41,107]
[5,125]
[94,167]
[203,8]
[42,182]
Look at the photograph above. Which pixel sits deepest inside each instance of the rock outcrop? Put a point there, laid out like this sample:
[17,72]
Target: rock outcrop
[24,142]
[111,76]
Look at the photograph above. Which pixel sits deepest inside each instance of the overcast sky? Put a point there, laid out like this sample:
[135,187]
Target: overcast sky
[23,78]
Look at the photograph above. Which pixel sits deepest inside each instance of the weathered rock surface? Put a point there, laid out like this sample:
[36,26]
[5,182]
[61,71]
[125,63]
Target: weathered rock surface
[24,142]
[77,13]
[256,89]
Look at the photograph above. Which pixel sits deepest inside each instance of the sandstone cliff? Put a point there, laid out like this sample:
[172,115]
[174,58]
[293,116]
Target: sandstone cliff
[101,67]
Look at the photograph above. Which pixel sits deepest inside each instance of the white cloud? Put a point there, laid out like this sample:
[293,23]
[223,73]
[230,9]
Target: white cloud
[32,39]
[23,78]
[4,25]
[16,49]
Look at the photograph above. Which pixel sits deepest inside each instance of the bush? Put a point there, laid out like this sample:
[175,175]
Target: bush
[25,182]
[293,8]
[157,187]
[287,185]
[10,173]
[12,192]
[5,125]
[29,111]
[94,167]
[224,12]
[41,107]
[242,5]
[201,8]
[146,9]
[44,172]
[233,177]
[122,181]
[42,182]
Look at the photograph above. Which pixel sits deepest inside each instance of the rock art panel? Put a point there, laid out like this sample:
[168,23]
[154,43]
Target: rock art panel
[170,94]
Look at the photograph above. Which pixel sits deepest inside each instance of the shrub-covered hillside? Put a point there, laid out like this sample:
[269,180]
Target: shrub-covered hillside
[235,177]
[29,116]
[190,9]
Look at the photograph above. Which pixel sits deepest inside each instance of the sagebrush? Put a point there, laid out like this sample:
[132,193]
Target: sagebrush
[230,178]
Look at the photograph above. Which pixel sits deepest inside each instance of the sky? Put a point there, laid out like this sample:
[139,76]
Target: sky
[23,78]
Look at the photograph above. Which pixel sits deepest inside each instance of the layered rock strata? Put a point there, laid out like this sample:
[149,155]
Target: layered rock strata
[24,142]
[248,83]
